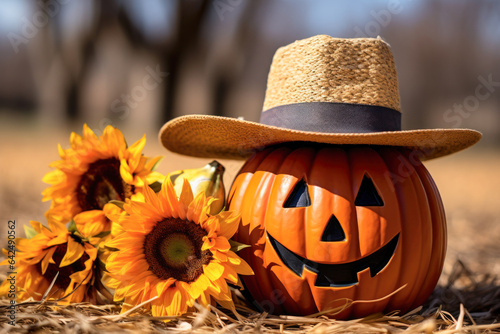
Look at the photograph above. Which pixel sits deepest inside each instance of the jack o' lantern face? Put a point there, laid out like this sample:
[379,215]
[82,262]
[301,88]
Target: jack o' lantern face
[335,275]
[326,224]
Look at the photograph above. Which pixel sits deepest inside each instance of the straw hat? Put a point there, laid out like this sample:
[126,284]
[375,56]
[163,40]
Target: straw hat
[324,90]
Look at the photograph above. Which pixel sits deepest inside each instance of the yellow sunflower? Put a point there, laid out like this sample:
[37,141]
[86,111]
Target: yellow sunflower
[174,250]
[38,260]
[101,222]
[93,171]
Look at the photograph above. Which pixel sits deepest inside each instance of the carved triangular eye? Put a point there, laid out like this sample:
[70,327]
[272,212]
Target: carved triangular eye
[367,194]
[333,231]
[299,196]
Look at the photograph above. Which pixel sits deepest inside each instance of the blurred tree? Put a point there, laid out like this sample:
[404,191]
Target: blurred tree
[441,54]
[214,65]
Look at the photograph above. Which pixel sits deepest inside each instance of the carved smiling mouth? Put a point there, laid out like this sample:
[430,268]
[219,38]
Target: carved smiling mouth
[336,275]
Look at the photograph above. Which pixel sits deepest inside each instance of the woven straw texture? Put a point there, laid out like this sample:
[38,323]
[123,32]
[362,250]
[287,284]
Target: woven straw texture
[211,137]
[317,69]
[326,69]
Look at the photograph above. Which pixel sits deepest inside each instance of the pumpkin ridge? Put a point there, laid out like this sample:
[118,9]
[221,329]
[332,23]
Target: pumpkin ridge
[309,210]
[276,283]
[270,164]
[399,260]
[406,194]
[426,232]
[381,287]
[438,228]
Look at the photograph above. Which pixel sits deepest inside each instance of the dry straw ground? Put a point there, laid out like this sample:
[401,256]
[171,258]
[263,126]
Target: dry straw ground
[444,312]
[467,298]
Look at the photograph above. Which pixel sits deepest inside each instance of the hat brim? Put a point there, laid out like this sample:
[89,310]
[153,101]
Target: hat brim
[230,138]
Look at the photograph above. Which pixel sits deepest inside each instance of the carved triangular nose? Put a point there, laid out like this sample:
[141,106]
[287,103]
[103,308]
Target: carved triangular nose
[333,231]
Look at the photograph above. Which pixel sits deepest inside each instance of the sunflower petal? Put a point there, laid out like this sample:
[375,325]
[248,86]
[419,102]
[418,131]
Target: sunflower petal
[228,222]
[220,256]
[88,134]
[204,299]
[75,139]
[151,198]
[196,208]
[153,163]
[213,270]
[47,258]
[57,228]
[136,148]
[173,301]
[60,239]
[91,223]
[199,286]
[185,198]
[73,253]
[168,198]
[239,264]
[125,172]
[222,244]
[36,225]
[164,284]
[227,304]
[113,140]
[91,251]
[124,241]
[53,177]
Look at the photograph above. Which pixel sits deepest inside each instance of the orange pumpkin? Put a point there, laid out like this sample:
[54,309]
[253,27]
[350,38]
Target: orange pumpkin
[331,223]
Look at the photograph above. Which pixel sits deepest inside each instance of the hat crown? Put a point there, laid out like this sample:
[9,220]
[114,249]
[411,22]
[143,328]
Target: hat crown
[327,69]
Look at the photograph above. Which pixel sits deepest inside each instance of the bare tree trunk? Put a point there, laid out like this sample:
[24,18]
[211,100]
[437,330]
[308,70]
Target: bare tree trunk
[190,15]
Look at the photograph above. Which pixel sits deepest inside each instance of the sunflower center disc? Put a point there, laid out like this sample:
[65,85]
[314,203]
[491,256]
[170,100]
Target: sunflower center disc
[173,249]
[102,183]
[177,248]
[63,280]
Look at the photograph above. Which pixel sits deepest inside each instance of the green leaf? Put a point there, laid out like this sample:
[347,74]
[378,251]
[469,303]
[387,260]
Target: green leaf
[156,186]
[72,227]
[237,246]
[30,231]
[117,203]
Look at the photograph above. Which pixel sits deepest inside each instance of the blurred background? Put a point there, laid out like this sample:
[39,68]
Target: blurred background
[136,64]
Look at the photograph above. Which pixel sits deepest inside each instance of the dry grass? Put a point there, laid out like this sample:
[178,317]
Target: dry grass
[467,298]
[467,303]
